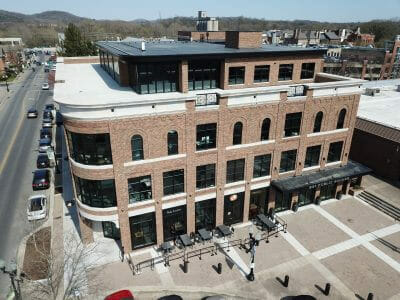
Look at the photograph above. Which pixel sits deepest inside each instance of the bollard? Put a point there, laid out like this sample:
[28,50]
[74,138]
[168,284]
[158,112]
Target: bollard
[286,282]
[185,266]
[219,268]
[327,289]
[370,296]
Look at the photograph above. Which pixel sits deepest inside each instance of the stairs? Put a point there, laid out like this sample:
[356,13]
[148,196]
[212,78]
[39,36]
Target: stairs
[380,204]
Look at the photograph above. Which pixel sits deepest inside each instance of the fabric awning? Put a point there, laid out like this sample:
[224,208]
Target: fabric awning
[320,178]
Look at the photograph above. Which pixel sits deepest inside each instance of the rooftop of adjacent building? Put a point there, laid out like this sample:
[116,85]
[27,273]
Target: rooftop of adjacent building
[384,106]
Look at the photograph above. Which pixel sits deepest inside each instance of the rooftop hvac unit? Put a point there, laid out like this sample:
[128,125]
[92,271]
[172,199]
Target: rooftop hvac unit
[372,91]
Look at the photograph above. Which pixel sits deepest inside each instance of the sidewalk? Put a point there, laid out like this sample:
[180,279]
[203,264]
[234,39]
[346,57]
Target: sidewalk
[382,189]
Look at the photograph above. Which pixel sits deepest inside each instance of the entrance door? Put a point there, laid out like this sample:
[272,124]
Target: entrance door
[258,202]
[306,196]
[233,208]
[110,230]
[282,201]
[174,222]
[205,214]
[328,192]
[143,230]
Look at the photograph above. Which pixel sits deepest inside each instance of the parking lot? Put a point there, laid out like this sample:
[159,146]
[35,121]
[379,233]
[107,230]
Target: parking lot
[346,243]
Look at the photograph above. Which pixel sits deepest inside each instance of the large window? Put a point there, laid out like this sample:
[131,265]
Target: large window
[307,70]
[172,142]
[137,147]
[335,151]
[235,170]
[265,129]
[292,124]
[206,136]
[285,72]
[174,182]
[143,230]
[236,75]
[262,165]
[174,222]
[116,68]
[156,78]
[341,118]
[312,156]
[288,161]
[318,121]
[203,75]
[205,214]
[139,189]
[261,74]
[96,193]
[237,133]
[90,149]
[205,176]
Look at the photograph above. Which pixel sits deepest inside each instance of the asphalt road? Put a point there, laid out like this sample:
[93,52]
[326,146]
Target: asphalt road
[18,151]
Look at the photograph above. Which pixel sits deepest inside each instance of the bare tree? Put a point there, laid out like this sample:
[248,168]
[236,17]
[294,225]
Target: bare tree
[65,271]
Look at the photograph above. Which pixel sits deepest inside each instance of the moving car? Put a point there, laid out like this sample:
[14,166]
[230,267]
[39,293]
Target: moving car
[37,207]
[45,86]
[46,133]
[41,179]
[44,144]
[47,123]
[42,161]
[32,113]
[120,295]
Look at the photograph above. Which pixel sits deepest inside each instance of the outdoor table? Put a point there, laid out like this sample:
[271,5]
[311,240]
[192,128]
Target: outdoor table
[186,241]
[266,222]
[167,247]
[205,235]
[225,231]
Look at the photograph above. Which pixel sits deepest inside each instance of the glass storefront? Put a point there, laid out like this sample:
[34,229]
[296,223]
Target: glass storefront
[96,193]
[205,214]
[283,201]
[328,192]
[174,222]
[143,230]
[258,202]
[306,196]
[233,208]
[110,230]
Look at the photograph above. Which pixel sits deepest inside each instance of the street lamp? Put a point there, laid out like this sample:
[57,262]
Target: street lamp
[254,241]
[12,272]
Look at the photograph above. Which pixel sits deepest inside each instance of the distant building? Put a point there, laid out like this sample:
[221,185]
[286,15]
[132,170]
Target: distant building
[361,39]
[11,42]
[376,138]
[206,31]
[329,38]
[303,38]
[11,51]
[205,23]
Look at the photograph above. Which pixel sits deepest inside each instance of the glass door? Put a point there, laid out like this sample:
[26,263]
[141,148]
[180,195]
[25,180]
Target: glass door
[306,196]
[205,214]
[143,230]
[233,208]
[282,201]
[328,192]
[174,222]
[110,230]
[258,202]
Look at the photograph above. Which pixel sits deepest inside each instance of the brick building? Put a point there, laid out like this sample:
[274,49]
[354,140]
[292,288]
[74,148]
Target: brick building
[167,138]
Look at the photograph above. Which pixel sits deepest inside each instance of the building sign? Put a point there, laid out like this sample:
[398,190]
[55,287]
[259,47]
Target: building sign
[328,182]
[206,99]
[174,210]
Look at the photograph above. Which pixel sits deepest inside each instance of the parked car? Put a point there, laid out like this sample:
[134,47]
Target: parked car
[42,161]
[37,207]
[120,295]
[47,114]
[45,86]
[44,144]
[41,179]
[46,133]
[32,113]
[47,123]
[49,107]
[171,297]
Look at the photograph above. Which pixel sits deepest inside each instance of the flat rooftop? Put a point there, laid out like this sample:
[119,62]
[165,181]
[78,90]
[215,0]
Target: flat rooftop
[384,107]
[177,48]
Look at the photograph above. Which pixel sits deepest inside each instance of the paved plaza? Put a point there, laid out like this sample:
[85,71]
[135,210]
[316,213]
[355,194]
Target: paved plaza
[346,243]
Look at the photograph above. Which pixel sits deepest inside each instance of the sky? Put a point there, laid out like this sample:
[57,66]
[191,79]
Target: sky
[317,10]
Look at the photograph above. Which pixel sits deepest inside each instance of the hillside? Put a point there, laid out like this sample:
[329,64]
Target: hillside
[41,29]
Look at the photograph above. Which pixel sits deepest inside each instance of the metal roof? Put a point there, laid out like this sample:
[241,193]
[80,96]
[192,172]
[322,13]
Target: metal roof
[161,48]
[386,132]
[352,169]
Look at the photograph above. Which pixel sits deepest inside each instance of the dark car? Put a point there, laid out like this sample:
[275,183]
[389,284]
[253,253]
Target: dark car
[49,107]
[42,161]
[32,113]
[47,114]
[171,297]
[45,133]
[47,123]
[41,179]
[44,145]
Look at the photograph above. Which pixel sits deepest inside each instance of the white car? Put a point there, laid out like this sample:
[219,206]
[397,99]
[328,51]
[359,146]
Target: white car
[45,86]
[37,207]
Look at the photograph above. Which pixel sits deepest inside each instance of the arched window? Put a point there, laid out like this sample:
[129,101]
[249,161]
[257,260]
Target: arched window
[340,121]
[172,142]
[265,129]
[237,133]
[137,147]
[318,121]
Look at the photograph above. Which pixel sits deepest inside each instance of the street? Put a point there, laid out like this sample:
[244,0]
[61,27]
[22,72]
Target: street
[18,151]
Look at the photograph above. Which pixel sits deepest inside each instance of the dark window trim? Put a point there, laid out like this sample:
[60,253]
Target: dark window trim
[137,189]
[265,128]
[137,150]
[205,176]
[261,73]
[285,72]
[293,124]
[235,170]
[341,119]
[178,182]
[206,136]
[307,70]
[92,192]
[173,142]
[236,75]
[259,162]
[313,155]
[237,133]
[288,161]
[334,155]
[319,117]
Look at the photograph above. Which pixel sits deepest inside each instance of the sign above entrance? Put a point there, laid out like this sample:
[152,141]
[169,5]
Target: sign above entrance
[332,181]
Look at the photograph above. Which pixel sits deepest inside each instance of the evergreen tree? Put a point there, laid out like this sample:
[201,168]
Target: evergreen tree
[75,44]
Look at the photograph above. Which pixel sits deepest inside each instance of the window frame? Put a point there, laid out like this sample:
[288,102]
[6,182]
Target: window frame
[259,71]
[341,118]
[206,72]
[173,142]
[259,162]
[332,156]
[140,151]
[319,117]
[206,136]
[293,124]
[289,164]
[235,170]
[178,182]
[264,132]
[305,72]
[96,193]
[236,75]
[205,176]
[237,133]
[144,194]
[285,72]
[155,78]
[310,159]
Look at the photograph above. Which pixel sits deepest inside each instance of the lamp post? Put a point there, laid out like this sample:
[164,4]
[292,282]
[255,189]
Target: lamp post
[11,270]
[254,241]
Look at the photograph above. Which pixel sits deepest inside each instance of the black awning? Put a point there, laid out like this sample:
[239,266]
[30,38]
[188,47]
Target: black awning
[320,178]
